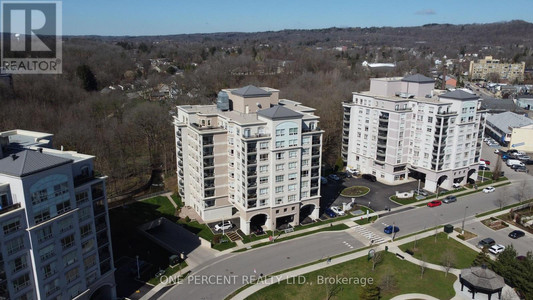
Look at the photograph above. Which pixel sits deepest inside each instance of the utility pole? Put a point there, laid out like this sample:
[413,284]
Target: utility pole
[463,227]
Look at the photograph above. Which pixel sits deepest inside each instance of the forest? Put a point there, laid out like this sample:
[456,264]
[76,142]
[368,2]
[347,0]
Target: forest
[132,136]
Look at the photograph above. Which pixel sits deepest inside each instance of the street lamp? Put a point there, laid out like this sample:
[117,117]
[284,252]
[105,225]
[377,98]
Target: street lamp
[463,227]
[418,191]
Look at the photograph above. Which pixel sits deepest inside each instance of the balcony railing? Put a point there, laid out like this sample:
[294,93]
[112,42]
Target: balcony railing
[9,208]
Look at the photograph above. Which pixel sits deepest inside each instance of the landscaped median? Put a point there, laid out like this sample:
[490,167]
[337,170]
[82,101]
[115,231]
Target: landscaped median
[355,191]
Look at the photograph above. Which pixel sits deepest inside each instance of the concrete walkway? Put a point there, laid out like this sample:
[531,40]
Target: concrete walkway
[414,296]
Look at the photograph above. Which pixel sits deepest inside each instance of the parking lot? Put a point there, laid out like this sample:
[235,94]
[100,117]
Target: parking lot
[522,245]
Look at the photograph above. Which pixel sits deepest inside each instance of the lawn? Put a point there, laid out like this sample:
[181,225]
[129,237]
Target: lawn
[405,201]
[200,230]
[178,201]
[355,191]
[429,251]
[168,272]
[362,219]
[252,237]
[405,277]
[164,205]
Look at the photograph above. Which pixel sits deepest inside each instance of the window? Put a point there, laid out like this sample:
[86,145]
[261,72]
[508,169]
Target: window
[305,151]
[263,145]
[263,169]
[293,154]
[44,234]
[280,155]
[46,252]
[39,196]
[67,242]
[279,189]
[21,282]
[87,246]
[292,165]
[292,176]
[18,263]
[91,278]
[263,157]
[69,258]
[263,180]
[262,202]
[293,131]
[306,140]
[11,226]
[291,198]
[279,167]
[41,216]
[305,162]
[63,207]
[14,245]
[49,269]
[263,191]
[72,275]
[89,261]
[430,119]
[86,230]
[60,189]
[292,187]
[305,194]
[84,213]
[280,144]
[82,197]
[280,132]
[280,178]
[293,143]
[305,173]
[278,201]
[305,184]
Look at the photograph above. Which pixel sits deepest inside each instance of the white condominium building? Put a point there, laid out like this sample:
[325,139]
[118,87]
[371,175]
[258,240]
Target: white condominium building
[55,241]
[403,127]
[251,156]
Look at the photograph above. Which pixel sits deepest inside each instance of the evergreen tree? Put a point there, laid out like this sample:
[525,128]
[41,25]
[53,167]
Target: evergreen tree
[481,259]
[370,292]
[87,78]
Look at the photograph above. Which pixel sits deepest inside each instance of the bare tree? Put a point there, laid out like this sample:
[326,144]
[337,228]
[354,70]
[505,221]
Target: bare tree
[423,265]
[376,259]
[523,191]
[332,290]
[388,281]
[502,199]
[497,169]
[448,261]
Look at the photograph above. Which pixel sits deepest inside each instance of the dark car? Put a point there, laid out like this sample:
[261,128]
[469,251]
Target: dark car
[488,242]
[516,166]
[450,199]
[421,193]
[520,169]
[330,213]
[258,231]
[388,229]
[529,162]
[484,168]
[516,234]
[370,177]
[434,203]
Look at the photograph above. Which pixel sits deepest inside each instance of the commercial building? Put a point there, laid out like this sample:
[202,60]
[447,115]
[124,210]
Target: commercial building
[505,71]
[402,127]
[252,156]
[511,130]
[55,241]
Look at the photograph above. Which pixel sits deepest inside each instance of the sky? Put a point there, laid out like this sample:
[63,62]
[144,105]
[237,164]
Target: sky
[163,17]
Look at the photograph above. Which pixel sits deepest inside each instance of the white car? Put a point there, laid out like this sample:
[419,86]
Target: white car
[497,249]
[223,225]
[488,189]
[456,185]
[337,210]
[496,151]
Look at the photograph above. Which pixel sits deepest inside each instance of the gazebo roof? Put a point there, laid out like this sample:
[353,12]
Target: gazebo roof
[483,278]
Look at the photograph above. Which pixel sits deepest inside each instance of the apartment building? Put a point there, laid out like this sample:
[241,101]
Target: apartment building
[55,241]
[403,127]
[252,156]
[506,71]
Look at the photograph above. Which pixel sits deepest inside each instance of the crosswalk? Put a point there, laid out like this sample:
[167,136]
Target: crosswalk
[371,236]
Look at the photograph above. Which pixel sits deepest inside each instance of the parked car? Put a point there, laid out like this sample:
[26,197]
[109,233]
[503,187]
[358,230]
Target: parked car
[334,177]
[450,199]
[421,193]
[487,242]
[389,229]
[323,180]
[496,249]
[515,234]
[496,151]
[523,157]
[488,189]
[487,162]
[370,177]
[434,203]
[160,273]
[520,169]
[529,162]
[330,213]
[456,185]
[516,166]
[223,225]
[353,172]
[484,168]
[337,210]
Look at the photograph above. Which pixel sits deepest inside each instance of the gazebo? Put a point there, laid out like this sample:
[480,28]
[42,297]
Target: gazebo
[481,280]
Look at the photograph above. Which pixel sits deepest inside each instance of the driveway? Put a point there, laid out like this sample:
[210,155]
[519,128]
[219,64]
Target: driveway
[522,245]
[377,198]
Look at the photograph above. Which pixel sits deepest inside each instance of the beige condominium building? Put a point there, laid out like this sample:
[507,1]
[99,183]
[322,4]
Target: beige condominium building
[252,156]
[404,128]
[506,71]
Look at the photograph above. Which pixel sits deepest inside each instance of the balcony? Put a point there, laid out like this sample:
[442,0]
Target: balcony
[181,183]
[178,133]
[251,149]
[252,204]
[180,154]
[383,125]
[209,193]
[380,157]
[179,143]
[209,174]
[315,163]
[209,163]
[315,174]
[9,208]
[81,179]
[346,125]
[252,196]
[208,153]
[252,184]
[180,173]
[181,192]
[316,141]
[180,163]
[207,141]
[384,118]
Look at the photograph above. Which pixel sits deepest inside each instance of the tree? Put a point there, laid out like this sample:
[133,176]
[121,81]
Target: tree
[523,191]
[370,292]
[497,169]
[376,259]
[448,261]
[332,290]
[87,78]
[388,281]
[503,197]
[482,258]
[423,265]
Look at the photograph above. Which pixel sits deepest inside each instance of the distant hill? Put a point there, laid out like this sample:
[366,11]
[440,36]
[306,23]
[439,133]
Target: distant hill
[501,33]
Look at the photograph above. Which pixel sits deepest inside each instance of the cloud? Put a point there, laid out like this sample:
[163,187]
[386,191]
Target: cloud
[426,12]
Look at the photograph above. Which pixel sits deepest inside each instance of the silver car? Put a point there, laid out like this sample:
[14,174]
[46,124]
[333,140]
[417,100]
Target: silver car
[450,199]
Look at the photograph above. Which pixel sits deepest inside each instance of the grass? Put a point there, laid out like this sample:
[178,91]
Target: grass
[431,252]
[405,201]
[281,239]
[225,245]
[201,230]
[168,272]
[490,212]
[425,230]
[365,220]
[164,205]
[466,236]
[178,200]
[403,272]
[355,191]
[252,237]
[487,182]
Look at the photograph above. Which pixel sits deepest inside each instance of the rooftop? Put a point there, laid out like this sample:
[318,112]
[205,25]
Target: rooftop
[18,138]
[279,112]
[508,120]
[29,162]
[418,78]
[251,91]
[459,95]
